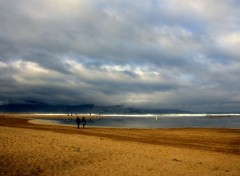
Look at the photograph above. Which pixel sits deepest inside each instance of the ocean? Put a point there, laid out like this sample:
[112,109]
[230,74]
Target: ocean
[154,121]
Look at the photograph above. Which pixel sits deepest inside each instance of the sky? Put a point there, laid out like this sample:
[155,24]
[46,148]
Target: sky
[166,54]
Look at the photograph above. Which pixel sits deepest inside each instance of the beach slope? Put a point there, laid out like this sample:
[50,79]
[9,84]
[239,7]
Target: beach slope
[30,149]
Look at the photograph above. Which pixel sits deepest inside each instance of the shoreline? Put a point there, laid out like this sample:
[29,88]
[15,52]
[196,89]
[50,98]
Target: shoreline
[201,138]
[143,122]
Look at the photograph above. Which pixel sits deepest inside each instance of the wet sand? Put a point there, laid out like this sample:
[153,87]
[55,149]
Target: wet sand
[33,149]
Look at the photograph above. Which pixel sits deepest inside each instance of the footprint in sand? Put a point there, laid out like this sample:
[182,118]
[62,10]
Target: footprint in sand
[177,160]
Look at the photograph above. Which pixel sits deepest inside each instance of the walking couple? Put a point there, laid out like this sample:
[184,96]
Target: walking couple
[79,121]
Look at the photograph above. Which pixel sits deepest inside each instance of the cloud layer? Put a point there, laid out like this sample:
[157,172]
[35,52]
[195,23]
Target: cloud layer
[156,54]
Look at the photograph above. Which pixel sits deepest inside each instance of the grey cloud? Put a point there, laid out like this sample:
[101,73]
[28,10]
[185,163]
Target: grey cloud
[182,43]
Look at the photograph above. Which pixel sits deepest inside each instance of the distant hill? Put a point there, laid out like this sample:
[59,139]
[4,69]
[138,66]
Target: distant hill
[85,108]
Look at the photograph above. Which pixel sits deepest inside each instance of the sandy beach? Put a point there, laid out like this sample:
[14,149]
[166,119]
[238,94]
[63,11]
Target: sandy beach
[34,149]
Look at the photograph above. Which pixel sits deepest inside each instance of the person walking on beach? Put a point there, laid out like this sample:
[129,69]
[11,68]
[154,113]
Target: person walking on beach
[78,121]
[83,122]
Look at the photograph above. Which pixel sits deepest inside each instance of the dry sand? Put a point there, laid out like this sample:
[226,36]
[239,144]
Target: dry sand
[30,149]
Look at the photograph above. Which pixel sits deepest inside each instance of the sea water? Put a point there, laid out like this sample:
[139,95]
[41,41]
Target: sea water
[159,121]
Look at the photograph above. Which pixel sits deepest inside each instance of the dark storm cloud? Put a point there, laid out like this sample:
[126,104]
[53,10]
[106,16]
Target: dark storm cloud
[162,54]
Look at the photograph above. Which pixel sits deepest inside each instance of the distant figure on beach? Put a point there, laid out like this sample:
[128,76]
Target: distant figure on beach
[78,121]
[83,122]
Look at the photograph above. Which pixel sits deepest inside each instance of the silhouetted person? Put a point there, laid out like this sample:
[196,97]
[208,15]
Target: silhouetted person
[83,122]
[78,121]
